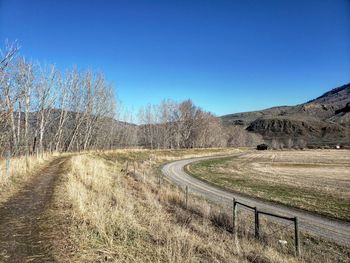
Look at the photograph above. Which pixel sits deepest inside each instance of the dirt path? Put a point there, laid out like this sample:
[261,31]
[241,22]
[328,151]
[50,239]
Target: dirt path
[315,224]
[21,237]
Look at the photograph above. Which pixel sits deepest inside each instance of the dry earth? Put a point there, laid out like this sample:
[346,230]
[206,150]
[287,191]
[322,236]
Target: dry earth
[22,238]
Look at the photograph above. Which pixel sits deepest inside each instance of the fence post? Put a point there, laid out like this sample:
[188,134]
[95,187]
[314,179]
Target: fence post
[234,215]
[186,201]
[297,241]
[126,168]
[27,163]
[257,234]
[8,157]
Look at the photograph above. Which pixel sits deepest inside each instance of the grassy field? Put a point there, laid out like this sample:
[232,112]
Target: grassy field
[113,214]
[314,180]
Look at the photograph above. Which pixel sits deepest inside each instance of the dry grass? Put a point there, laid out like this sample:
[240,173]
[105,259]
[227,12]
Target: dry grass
[21,169]
[125,216]
[157,156]
[302,179]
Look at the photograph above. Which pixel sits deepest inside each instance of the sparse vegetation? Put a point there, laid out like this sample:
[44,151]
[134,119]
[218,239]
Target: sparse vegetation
[87,177]
[322,122]
[21,169]
[126,216]
[316,180]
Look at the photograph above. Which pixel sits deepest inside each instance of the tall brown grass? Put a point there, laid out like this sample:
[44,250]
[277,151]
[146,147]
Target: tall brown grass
[129,218]
[20,170]
[113,209]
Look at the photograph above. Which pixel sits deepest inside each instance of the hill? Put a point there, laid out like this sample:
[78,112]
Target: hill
[324,120]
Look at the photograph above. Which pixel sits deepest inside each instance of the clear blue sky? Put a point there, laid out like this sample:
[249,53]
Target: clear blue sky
[228,56]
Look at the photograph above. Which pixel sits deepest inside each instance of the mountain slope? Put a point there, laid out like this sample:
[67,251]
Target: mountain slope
[325,119]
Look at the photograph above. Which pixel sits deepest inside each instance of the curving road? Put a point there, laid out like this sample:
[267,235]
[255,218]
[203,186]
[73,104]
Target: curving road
[314,224]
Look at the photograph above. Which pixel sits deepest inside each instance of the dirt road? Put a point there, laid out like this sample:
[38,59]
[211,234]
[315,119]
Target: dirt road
[22,238]
[331,229]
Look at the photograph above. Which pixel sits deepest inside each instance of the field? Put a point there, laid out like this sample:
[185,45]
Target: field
[314,180]
[121,212]
[110,206]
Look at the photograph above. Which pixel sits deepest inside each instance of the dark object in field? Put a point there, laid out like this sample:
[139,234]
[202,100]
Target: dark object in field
[262,147]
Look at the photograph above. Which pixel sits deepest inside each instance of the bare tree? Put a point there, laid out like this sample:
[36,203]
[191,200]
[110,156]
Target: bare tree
[25,83]
[179,125]
[11,50]
[44,91]
[64,87]
[78,111]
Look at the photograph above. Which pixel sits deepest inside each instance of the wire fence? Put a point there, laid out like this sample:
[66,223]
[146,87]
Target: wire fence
[262,232]
[260,227]
[280,232]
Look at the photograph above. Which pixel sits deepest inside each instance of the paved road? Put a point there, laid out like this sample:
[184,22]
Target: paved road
[331,229]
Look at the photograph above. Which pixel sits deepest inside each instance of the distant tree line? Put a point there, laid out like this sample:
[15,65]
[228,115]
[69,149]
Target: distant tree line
[179,125]
[184,125]
[43,109]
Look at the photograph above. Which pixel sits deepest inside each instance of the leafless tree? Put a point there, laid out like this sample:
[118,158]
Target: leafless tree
[179,125]
[6,56]
[64,88]
[25,83]
[44,92]
[74,111]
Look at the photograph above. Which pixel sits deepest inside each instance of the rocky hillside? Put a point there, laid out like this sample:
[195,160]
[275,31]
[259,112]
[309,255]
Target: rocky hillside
[324,120]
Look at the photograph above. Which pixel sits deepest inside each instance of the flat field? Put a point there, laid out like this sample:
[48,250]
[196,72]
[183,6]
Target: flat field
[314,180]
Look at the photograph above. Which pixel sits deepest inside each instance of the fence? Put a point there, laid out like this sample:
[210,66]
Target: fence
[257,214]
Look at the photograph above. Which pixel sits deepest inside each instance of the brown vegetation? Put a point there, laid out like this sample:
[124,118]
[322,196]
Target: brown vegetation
[303,179]
[21,169]
[121,215]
